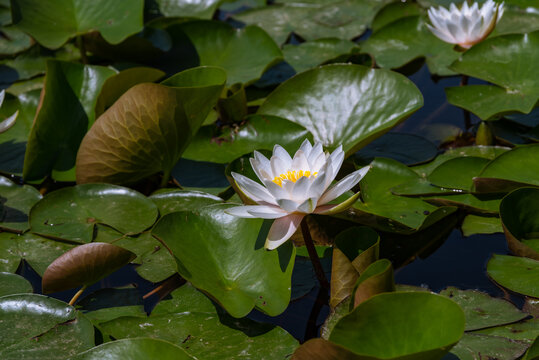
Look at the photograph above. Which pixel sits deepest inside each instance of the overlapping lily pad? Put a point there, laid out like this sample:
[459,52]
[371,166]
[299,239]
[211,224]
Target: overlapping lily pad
[148,128]
[505,61]
[197,9]
[114,20]
[13,284]
[518,212]
[224,256]
[473,346]
[376,279]
[474,224]
[72,213]
[517,274]
[15,204]
[39,327]
[340,104]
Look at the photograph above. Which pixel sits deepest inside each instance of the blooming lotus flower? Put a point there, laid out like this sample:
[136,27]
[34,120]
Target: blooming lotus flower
[294,187]
[465,26]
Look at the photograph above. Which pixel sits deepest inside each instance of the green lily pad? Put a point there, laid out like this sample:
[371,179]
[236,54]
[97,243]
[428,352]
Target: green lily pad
[72,213]
[135,349]
[114,20]
[494,60]
[457,173]
[355,249]
[164,117]
[203,9]
[513,169]
[340,105]
[37,251]
[244,54]
[13,284]
[14,41]
[517,19]
[483,204]
[39,327]
[169,201]
[84,265]
[481,310]
[407,39]
[525,331]
[515,273]
[232,266]
[472,347]
[474,224]
[382,210]
[533,351]
[190,321]
[258,133]
[16,202]
[518,212]
[309,54]
[65,113]
[417,325]
[393,12]
[377,278]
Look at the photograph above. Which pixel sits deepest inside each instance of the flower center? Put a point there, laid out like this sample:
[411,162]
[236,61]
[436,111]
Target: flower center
[293,176]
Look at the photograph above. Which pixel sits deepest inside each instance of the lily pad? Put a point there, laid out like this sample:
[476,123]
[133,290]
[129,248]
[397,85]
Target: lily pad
[474,224]
[84,265]
[377,278]
[515,273]
[224,256]
[494,60]
[393,325]
[13,284]
[458,173]
[65,113]
[406,39]
[135,349]
[513,169]
[259,132]
[482,310]
[14,41]
[321,349]
[340,105]
[169,201]
[190,321]
[518,212]
[39,327]
[533,351]
[164,117]
[382,210]
[71,213]
[114,20]
[525,331]
[203,9]
[16,202]
[472,347]
[393,12]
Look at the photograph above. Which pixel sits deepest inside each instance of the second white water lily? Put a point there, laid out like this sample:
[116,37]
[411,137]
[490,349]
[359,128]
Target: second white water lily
[467,25]
[293,187]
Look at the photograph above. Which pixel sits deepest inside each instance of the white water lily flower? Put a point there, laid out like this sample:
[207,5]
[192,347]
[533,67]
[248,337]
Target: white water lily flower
[465,26]
[293,188]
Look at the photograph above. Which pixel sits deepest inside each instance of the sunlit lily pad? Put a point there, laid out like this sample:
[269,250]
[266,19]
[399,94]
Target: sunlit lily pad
[457,173]
[224,256]
[203,9]
[39,327]
[13,284]
[15,204]
[180,200]
[517,274]
[71,213]
[340,105]
[163,117]
[519,214]
[417,325]
[474,224]
[494,60]
[114,20]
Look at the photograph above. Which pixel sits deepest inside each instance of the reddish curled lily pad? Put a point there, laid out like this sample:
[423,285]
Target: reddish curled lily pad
[84,265]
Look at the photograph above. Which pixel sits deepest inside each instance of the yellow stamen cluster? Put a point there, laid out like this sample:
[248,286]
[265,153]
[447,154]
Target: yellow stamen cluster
[292,175]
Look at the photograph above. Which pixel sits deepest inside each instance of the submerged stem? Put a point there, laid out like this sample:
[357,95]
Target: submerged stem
[82,49]
[166,177]
[467,116]
[77,295]
[315,260]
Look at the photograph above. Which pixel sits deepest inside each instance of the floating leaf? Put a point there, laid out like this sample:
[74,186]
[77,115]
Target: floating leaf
[162,117]
[135,349]
[481,310]
[197,9]
[16,202]
[525,331]
[71,213]
[114,20]
[417,325]
[65,113]
[393,12]
[494,60]
[224,256]
[339,104]
[515,273]
[472,347]
[13,284]
[169,201]
[84,265]
[13,41]
[457,173]
[39,327]
[518,212]
[320,349]
[474,224]
[377,278]
[533,351]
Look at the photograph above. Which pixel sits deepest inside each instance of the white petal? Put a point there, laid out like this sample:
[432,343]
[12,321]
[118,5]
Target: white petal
[300,162]
[282,229]
[241,211]
[344,185]
[266,212]
[336,159]
[442,35]
[316,164]
[300,189]
[261,166]
[308,206]
[279,166]
[315,153]
[318,186]
[306,147]
[288,205]
[275,190]
[253,189]
[280,152]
